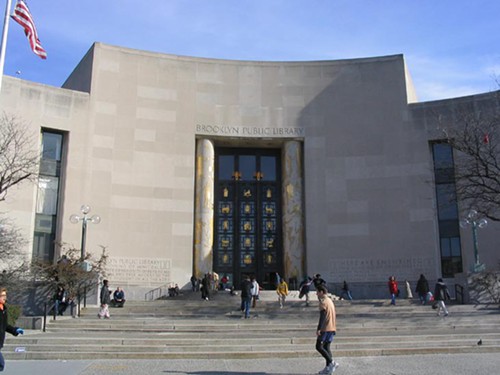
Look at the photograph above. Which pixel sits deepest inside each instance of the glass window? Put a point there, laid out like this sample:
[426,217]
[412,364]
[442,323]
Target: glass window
[455,247]
[51,146]
[47,195]
[447,201]
[268,167]
[443,156]
[226,167]
[447,209]
[445,247]
[247,167]
[43,246]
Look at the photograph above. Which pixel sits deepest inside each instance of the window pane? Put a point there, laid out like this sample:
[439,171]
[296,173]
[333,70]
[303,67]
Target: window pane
[43,246]
[51,146]
[226,167]
[443,155]
[455,247]
[268,167]
[47,195]
[445,247]
[247,167]
[447,202]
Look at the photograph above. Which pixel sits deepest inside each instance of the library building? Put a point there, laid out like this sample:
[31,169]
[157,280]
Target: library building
[198,165]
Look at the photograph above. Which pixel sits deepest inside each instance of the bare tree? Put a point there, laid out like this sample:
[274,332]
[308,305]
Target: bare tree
[13,266]
[73,273]
[477,162]
[19,158]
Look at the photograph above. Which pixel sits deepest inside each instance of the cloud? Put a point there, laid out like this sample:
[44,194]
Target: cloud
[442,77]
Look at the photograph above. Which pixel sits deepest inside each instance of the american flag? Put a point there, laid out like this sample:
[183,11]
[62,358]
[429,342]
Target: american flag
[23,17]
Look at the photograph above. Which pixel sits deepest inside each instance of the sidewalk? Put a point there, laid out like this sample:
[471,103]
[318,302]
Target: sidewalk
[443,364]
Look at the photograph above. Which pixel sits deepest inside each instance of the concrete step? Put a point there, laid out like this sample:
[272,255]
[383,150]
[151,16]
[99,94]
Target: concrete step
[168,329]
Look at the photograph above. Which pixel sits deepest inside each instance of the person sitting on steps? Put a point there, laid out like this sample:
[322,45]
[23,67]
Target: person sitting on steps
[118,298]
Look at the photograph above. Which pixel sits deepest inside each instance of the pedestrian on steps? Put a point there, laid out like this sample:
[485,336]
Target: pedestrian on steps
[441,294]
[393,289]
[422,289]
[327,327]
[282,291]
[255,292]
[4,325]
[105,299]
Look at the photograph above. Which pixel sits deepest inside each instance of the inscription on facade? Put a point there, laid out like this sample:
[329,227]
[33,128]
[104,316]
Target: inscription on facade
[360,270]
[138,270]
[249,131]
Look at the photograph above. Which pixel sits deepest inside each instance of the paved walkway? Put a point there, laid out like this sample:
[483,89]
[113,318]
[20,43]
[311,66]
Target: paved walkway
[443,364]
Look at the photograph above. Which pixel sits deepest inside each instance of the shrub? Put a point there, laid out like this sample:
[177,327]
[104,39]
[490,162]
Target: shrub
[14,313]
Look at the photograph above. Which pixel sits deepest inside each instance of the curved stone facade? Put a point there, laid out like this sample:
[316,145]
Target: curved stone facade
[139,135]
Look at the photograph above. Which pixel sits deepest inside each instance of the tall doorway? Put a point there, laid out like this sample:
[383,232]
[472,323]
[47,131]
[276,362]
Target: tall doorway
[247,227]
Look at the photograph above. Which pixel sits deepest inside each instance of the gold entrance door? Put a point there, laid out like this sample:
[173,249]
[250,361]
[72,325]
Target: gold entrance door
[247,231]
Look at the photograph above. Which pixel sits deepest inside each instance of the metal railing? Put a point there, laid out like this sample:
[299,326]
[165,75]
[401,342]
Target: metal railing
[50,308]
[157,292]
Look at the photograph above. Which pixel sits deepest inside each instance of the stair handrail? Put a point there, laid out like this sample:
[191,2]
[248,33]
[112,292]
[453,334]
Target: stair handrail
[160,291]
[47,308]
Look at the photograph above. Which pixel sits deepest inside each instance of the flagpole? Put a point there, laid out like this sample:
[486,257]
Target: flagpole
[4,40]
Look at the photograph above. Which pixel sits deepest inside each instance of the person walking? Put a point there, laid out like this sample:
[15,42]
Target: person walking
[205,287]
[393,289]
[304,289]
[255,292]
[246,295]
[193,283]
[282,291]
[441,294]
[317,281]
[346,292]
[422,289]
[325,332]
[60,300]
[105,301]
[4,325]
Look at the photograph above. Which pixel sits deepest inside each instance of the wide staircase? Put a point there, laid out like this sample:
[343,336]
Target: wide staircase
[189,327]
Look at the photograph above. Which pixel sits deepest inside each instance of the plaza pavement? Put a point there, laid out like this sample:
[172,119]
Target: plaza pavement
[440,364]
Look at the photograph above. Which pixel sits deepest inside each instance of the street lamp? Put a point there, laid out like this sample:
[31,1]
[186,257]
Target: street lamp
[475,222]
[84,219]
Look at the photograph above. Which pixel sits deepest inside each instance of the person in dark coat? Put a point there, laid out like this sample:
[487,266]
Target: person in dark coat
[346,292]
[105,300]
[60,300]
[422,289]
[441,294]
[205,287]
[4,325]
[304,289]
[317,281]
[246,295]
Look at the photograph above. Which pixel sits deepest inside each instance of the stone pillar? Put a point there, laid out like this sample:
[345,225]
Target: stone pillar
[204,207]
[293,217]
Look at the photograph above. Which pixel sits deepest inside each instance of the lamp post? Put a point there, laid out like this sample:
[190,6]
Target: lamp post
[84,219]
[475,222]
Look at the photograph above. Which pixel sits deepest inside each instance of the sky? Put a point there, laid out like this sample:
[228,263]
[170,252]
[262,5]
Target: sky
[451,47]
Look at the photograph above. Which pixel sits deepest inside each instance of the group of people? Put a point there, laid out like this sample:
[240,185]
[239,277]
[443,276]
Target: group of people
[105,299]
[441,293]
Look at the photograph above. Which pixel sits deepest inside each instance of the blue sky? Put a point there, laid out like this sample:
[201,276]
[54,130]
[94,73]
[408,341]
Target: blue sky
[450,46]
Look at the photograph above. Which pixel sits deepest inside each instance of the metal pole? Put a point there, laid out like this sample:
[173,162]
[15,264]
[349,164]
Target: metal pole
[4,39]
[84,233]
[44,316]
[474,238]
